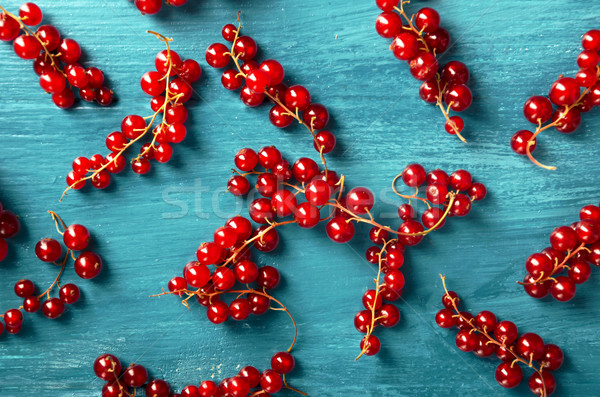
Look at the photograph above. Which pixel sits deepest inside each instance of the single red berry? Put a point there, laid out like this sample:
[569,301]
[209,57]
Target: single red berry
[591,40]
[53,308]
[48,250]
[542,384]
[218,312]
[70,52]
[217,55]
[455,72]
[88,265]
[245,47]
[158,388]
[27,47]
[297,97]
[360,200]
[405,47]
[530,346]
[445,318]
[274,70]
[438,40]
[69,294]
[315,116]
[107,367]
[563,289]
[552,358]
[388,315]
[509,375]
[414,175]
[370,345]
[564,91]
[76,237]
[506,332]
[425,66]
[24,288]
[340,230]
[427,19]
[135,375]
[229,31]
[388,24]
[305,169]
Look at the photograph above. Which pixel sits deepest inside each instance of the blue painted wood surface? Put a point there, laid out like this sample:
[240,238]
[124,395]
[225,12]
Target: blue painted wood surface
[513,48]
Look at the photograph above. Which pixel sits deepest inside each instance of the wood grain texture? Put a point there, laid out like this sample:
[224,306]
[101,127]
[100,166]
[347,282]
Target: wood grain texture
[513,48]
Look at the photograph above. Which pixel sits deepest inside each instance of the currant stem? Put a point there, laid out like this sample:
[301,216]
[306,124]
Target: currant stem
[57,219]
[57,279]
[491,340]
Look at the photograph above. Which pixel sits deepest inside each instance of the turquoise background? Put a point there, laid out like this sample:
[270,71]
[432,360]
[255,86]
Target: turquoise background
[514,49]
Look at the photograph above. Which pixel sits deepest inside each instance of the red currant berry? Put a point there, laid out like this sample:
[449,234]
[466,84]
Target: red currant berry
[563,289]
[270,381]
[48,250]
[53,308]
[445,318]
[297,97]
[158,388]
[427,19]
[564,91]
[217,55]
[88,265]
[340,230]
[70,52]
[405,47]
[425,66]
[506,332]
[218,312]
[414,175]
[24,288]
[307,215]
[315,116]
[388,24]
[458,97]
[69,294]
[107,367]
[305,169]
[591,40]
[370,345]
[553,357]
[509,375]
[530,346]
[408,232]
[76,237]
[542,384]
[245,47]
[190,71]
[282,362]
[27,47]
[455,72]
[388,315]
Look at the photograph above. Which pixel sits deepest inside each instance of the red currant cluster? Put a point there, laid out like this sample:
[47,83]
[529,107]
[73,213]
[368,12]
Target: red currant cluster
[247,382]
[390,257]
[567,95]
[87,266]
[153,6]
[484,335]
[9,227]
[170,87]
[418,40]
[49,52]
[572,248]
[441,190]
[265,80]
